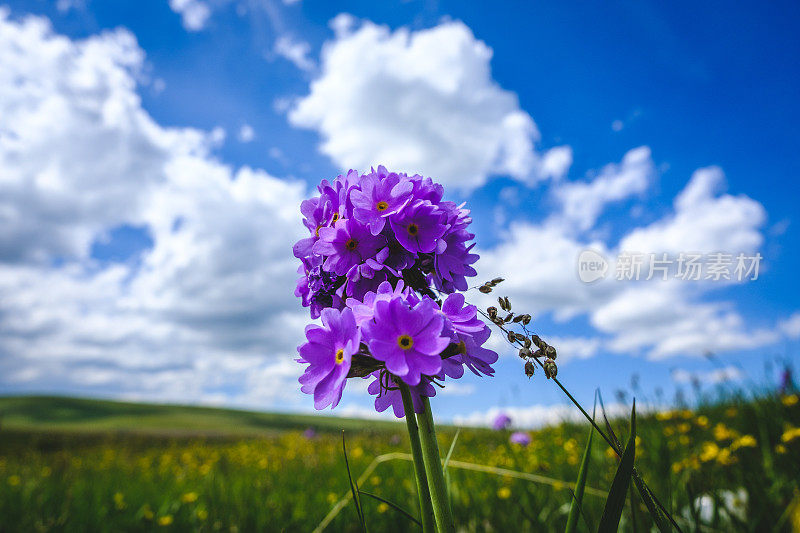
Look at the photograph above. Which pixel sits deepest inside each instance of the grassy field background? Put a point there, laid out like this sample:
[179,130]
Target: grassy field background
[71,464]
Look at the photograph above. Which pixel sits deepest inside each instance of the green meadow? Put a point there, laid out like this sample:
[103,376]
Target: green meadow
[89,465]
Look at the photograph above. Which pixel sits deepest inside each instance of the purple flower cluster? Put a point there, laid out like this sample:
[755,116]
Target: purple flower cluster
[383,259]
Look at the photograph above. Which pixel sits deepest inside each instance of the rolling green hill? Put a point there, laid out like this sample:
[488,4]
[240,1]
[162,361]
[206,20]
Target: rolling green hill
[43,413]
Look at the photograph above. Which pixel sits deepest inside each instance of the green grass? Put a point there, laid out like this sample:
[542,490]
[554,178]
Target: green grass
[88,465]
[55,413]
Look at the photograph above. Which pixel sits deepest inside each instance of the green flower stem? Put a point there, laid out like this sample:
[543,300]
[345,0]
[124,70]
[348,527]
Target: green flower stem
[433,467]
[425,506]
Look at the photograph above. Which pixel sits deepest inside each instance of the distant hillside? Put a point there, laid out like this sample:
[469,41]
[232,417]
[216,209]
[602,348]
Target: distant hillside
[42,413]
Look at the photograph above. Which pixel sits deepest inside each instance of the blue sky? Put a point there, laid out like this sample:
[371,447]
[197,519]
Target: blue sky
[145,249]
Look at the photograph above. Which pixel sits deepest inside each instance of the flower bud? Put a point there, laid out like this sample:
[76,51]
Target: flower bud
[512,337]
[492,312]
[508,317]
[485,289]
[526,319]
[520,337]
[550,352]
[495,281]
[529,368]
[524,353]
[550,368]
[536,340]
[527,342]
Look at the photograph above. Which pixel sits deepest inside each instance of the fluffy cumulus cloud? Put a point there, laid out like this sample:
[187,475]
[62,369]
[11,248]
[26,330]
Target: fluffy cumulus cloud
[194,13]
[582,202]
[205,313]
[295,51]
[657,318]
[421,101]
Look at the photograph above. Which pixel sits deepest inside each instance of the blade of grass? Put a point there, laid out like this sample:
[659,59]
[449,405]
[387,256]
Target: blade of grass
[353,488]
[392,505]
[447,473]
[658,516]
[450,451]
[619,487]
[580,486]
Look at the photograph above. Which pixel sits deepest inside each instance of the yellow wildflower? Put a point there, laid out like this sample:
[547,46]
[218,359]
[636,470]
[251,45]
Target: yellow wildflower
[789,401]
[189,497]
[684,440]
[722,432]
[781,449]
[382,507]
[745,441]
[790,434]
[119,501]
[731,412]
[664,415]
[725,457]
[683,427]
[202,514]
[332,497]
[702,421]
[14,480]
[147,513]
[165,520]
[504,493]
[709,452]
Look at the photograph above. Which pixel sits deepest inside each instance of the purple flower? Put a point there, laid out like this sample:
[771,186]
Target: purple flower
[310,433]
[453,264]
[317,212]
[521,438]
[501,421]
[462,319]
[419,227]
[317,288]
[407,339]
[346,245]
[381,195]
[364,310]
[477,358]
[328,353]
[389,395]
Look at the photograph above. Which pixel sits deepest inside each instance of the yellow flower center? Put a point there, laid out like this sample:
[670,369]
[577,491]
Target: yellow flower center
[382,206]
[339,356]
[405,342]
[351,244]
[335,218]
[413,229]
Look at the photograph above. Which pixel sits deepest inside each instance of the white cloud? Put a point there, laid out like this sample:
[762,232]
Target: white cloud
[295,51]
[421,101]
[194,13]
[246,133]
[207,312]
[791,326]
[659,319]
[582,202]
[711,377]
[703,221]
